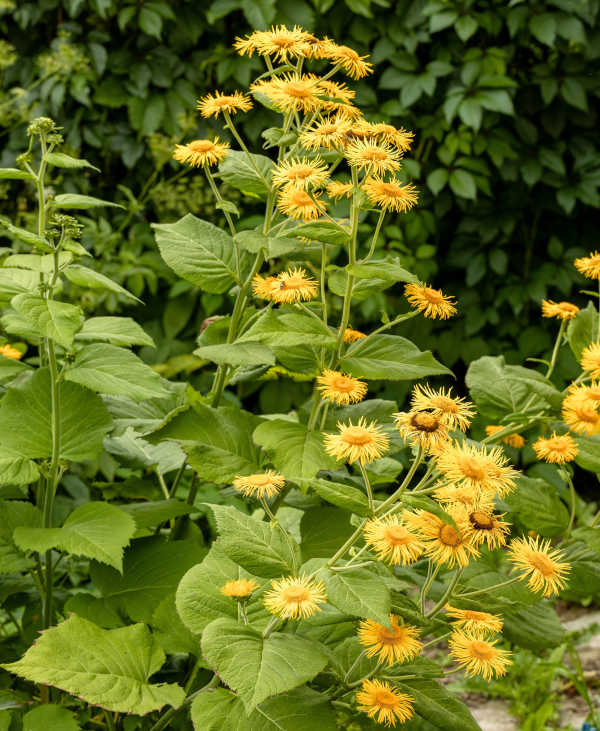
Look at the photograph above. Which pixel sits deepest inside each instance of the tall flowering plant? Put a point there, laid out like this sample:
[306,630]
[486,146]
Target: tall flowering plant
[352,534]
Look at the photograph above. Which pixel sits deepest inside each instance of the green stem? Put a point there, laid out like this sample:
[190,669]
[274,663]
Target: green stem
[242,144]
[401,318]
[573,495]
[109,720]
[314,413]
[270,627]
[353,538]
[219,198]
[489,588]
[353,666]
[375,237]
[286,536]
[427,585]
[368,488]
[435,640]
[557,344]
[405,483]
[323,295]
[447,594]
[177,480]
[163,485]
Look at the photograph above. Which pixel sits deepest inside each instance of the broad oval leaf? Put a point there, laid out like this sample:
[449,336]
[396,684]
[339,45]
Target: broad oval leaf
[122,331]
[86,277]
[58,321]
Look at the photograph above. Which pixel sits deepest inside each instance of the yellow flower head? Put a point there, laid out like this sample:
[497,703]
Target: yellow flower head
[293,285]
[431,302]
[540,565]
[348,59]
[301,173]
[335,91]
[398,644]
[460,494]
[390,194]
[239,588]
[9,352]
[474,622]
[290,92]
[392,541]
[513,440]
[557,449]
[374,157]
[422,427]
[281,43]
[351,336]
[298,204]
[361,442]
[264,484]
[478,656]
[480,524]
[201,152]
[400,138]
[581,415]
[444,544]
[217,103]
[561,310]
[295,598]
[264,287]
[329,133]
[455,411]
[337,189]
[383,703]
[589,265]
[589,392]
[341,389]
[590,359]
[475,467]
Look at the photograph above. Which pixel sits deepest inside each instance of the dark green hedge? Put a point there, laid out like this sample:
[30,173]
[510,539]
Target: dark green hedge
[502,97]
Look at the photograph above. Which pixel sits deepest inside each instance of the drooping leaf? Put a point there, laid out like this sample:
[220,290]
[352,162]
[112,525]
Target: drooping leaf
[14,174]
[247,172]
[199,252]
[58,321]
[588,456]
[358,592]
[337,493]
[237,354]
[388,268]
[107,668]
[536,627]
[95,530]
[16,281]
[109,369]
[27,236]
[258,668]
[81,202]
[390,357]
[286,329]
[26,417]
[326,232]
[61,160]
[581,331]
[294,450]
[122,331]
[10,367]
[537,505]
[86,277]
[17,471]
[273,246]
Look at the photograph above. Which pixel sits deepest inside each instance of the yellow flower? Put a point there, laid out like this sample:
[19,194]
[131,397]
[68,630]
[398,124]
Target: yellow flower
[337,189]
[455,411]
[361,442]
[392,541]
[431,302]
[282,43]
[589,265]
[398,644]
[216,104]
[475,467]
[474,622]
[541,565]
[390,194]
[264,287]
[444,544]
[329,133]
[354,65]
[295,598]
[201,152]
[9,352]
[290,92]
[581,415]
[463,494]
[292,285]
[561,310]
[384,703]
[239,588]
[590,359]
[513,440]
[422,427]
[478,656]
[480,525]
[341,389]
[301,173]
[351,336]
[400,138]
[375,157]
[558,448]
[264,484]
[589,392]
[336,91]
[298,204]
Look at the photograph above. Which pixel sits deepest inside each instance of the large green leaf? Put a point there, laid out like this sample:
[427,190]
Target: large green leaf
[537,505]
[358,592]
[152,569]
[297,710]
[247,172]
[388,268]
[285,329]
[10,367]
[86,277]
[116,330]
[199,599]
[16,281]
[390,357]
[258,668]
[588,456]
[294,450]
[15,513]
[50,718]
[536,627]
[174,637]
[58,321]
[94,530]
[81,202]
[273,246]
[337,493]
[17,471]
[109,369]
[582,330]
[107,668]
[258,547]
[323,531]
[61,160]
[499,389]
[326,232]
[199,252]
[440,708]
[26,416]
[237,354]
[218,441]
